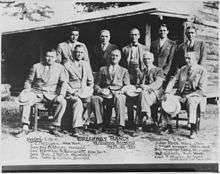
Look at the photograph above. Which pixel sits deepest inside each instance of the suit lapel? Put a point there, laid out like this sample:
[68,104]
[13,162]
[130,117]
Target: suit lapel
[108,74]
[68,49]
[183,79]
[117,72]
[75,70]
[157,46]
[129,54]
[166,43]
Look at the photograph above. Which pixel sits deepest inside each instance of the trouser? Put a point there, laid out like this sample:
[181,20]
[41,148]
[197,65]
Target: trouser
[191,104]
[103,109]
[131,102]
[80,111]
[145,101]
[58,114]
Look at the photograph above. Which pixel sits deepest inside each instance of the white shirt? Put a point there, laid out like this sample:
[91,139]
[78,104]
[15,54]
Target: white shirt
[112,68]
[104,46]
[162,41]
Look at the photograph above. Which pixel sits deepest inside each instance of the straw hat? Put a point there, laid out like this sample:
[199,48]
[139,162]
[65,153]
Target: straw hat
[85,92]
[171,105]
[26,97]
[106,93]
[132,91]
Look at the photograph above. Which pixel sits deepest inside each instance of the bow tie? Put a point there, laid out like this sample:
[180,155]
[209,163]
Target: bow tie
[134,45]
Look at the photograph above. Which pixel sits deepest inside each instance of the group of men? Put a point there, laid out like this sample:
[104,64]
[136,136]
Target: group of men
[66,76]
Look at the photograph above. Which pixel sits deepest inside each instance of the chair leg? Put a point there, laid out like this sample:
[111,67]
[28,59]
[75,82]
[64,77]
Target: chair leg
[35,117]
[177,121]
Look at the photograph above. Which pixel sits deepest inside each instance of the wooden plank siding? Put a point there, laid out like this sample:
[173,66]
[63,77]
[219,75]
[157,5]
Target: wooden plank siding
[207,30]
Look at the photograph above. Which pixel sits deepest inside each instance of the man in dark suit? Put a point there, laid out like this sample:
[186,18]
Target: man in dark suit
[101,53]
[111,78]
[191,44]
[64,49]
[133,52]
[163,50]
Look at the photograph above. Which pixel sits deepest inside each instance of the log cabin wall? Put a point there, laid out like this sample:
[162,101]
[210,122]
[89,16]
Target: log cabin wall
[207,22]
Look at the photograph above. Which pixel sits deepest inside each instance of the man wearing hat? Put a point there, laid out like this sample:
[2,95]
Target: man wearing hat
[64,49]
[46,83]
[151,85]
[111,80]
[191,82]
[80,88]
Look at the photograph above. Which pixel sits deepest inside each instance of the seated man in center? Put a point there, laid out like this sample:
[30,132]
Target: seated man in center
[80,87]
[151,85]
[111,80]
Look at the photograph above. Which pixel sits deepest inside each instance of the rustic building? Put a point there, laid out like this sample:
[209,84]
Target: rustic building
[23,43]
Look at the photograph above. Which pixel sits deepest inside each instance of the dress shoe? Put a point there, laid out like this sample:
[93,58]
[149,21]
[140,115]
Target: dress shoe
[77,132]
[55,131]
[193,135]
[120,131]
[22,133]
[193,131]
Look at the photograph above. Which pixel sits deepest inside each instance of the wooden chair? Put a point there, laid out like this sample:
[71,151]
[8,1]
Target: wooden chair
[184,111]
[37,110]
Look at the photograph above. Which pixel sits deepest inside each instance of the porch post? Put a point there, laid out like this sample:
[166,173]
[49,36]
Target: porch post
[148,36]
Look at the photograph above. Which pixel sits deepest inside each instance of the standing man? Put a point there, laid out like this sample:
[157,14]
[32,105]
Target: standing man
[111,80]
[151,84]
[133,52]
[64,49]
[101,55]
[191,81]
[46,83]
[80,81]
[192,44]
[163,50]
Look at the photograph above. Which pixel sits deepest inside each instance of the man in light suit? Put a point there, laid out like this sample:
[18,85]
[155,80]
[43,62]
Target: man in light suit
[46,83]
[163,50]
[64,49]
[191,81]
[112,77]
[151,84]
[80,78]
[101,54]
[192,44]
[133,52]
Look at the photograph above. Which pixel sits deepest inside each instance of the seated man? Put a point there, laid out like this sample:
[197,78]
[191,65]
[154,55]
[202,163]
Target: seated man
[46,83]
[151,84]
[111,80]
[135,79]
[80,81]
[191,81]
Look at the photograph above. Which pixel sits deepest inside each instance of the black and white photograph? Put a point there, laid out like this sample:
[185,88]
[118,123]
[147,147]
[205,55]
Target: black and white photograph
[109,86]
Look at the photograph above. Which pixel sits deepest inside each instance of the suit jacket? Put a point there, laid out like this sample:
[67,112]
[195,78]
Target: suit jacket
[163,56]
[154,79]
[50,83]
[126,55]
[64,52]
[199,47]
[100,58]
[79,78]
[105,80]
[197,77]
